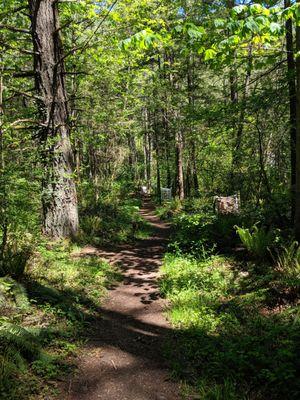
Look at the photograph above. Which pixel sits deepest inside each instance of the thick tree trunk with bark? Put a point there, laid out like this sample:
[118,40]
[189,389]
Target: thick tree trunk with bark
[60,213]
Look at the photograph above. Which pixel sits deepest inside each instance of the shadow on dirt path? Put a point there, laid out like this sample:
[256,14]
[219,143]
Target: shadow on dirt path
[123,359]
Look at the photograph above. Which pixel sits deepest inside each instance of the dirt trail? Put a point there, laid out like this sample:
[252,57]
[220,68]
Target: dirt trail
[123,360]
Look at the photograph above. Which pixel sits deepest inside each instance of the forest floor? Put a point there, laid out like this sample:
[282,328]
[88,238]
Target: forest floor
[123,358]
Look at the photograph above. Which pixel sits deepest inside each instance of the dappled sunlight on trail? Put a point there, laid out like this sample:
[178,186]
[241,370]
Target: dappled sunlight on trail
[123,358]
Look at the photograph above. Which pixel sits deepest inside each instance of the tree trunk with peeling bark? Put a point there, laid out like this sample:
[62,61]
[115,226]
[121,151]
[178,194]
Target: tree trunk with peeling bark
[59,199]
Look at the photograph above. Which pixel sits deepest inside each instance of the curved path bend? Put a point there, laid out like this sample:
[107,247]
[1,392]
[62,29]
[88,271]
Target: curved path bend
[123,359]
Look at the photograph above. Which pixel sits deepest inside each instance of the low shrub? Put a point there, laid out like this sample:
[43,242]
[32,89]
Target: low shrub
[202,234]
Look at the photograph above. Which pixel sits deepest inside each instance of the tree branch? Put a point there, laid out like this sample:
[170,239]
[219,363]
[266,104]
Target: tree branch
[14,29]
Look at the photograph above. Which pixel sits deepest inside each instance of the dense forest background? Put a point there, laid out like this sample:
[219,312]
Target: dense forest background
[203,97]
[189,96]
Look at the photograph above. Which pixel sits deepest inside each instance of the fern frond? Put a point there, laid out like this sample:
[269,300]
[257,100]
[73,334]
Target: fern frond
[22,340]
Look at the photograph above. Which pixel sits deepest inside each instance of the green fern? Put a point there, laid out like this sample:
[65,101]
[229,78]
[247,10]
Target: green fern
[19,338]
[288,265]
[18,348]
[20,296]
[13,293]
[256,240]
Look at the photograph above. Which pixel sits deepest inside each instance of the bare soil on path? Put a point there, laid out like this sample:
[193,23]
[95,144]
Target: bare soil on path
[123,359]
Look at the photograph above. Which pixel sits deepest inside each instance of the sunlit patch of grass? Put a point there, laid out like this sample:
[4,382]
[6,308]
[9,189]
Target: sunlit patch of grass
[228,345]
[82,278]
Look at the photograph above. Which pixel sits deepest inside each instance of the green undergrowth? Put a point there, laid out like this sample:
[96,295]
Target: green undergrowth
[112,217]
[233,283]
[44,317]
[236,338]
[201,232]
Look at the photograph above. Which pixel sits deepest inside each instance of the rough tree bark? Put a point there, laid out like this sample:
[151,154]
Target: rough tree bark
[59,199]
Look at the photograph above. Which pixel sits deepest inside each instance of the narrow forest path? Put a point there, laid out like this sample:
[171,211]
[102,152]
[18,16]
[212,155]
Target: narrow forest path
[123,359]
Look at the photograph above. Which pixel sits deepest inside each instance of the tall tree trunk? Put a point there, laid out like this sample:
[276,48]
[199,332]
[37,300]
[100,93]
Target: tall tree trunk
[158,179]
[191,100]
[59,199]
[233,72]
[73,113]
[93,163]
[147,151]
[132,159]
[179,164]
[167,141]
[297,193]
[145,156]
[293,104]
[236,156]
[188,180]
[194,169]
